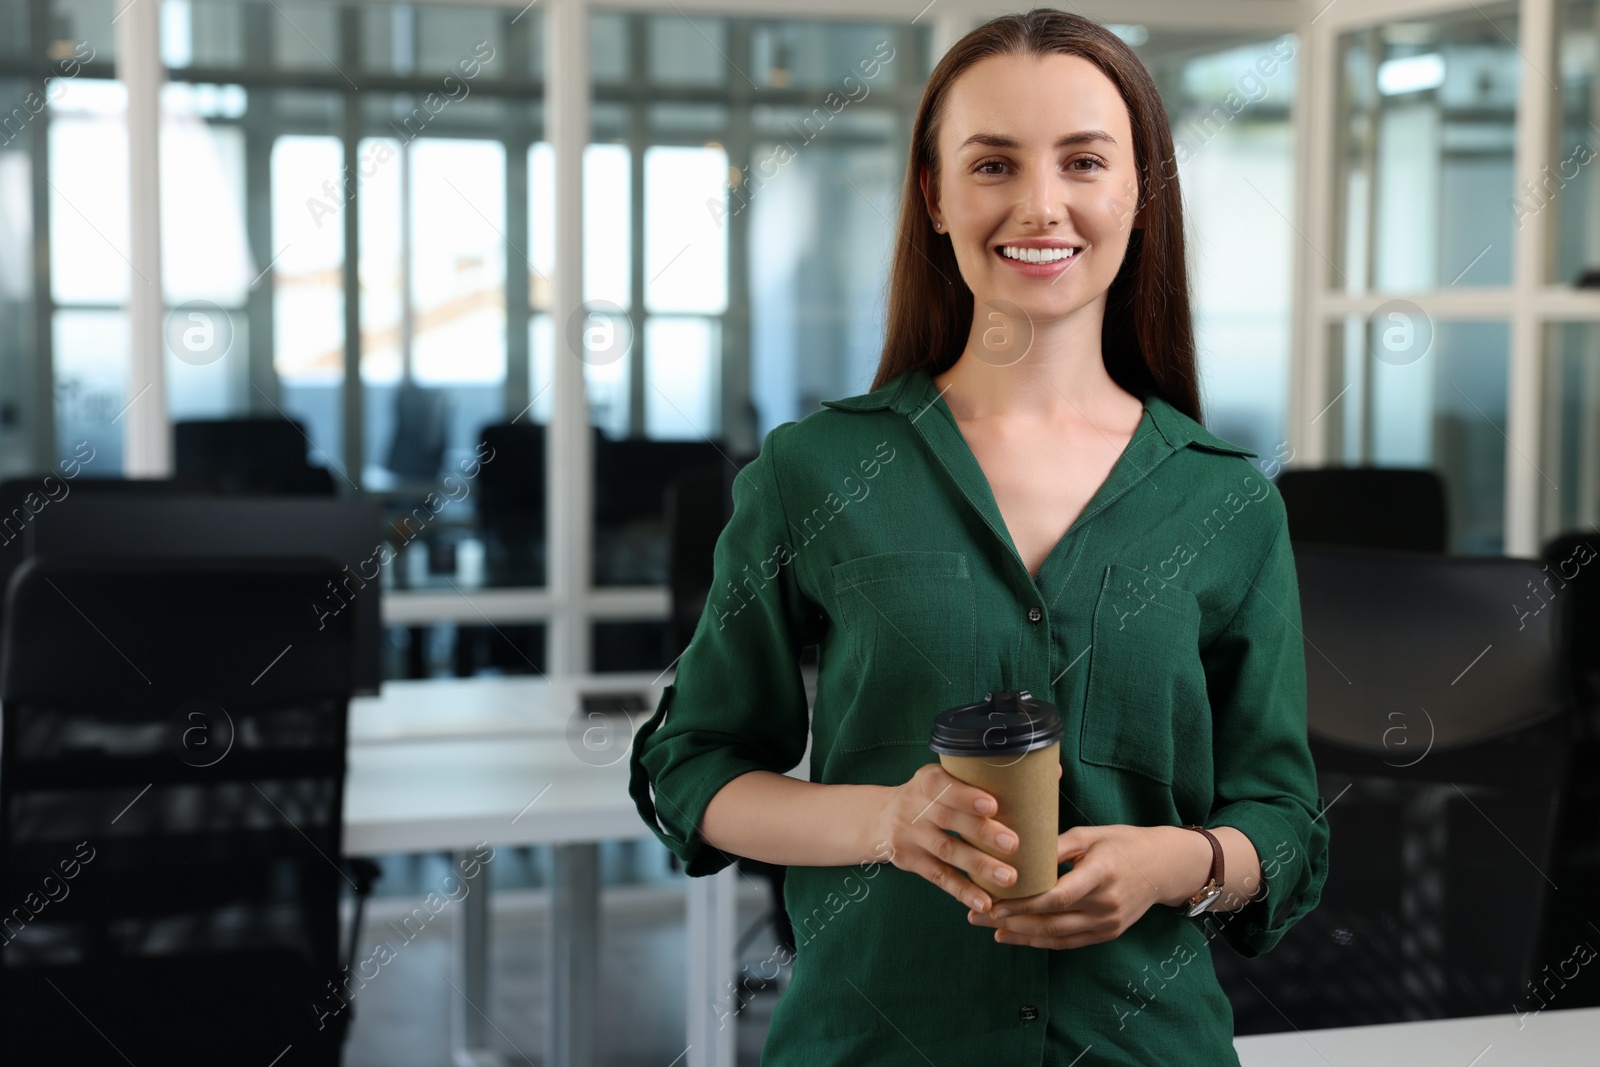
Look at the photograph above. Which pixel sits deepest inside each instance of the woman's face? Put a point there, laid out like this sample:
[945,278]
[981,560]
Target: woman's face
[1036,157]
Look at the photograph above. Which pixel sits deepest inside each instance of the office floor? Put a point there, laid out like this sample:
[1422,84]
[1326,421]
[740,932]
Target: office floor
[402,1016]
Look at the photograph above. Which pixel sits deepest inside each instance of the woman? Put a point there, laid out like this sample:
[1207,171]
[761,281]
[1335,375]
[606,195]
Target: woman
[1025,500]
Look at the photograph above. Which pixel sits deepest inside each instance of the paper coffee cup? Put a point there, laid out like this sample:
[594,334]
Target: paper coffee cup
[1009,745]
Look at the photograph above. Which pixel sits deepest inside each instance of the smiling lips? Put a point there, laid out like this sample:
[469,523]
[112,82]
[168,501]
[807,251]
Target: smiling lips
[1039,260]
[1027,254]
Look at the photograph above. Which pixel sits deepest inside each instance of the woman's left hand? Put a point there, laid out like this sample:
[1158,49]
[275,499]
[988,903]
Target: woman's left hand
[1117,873]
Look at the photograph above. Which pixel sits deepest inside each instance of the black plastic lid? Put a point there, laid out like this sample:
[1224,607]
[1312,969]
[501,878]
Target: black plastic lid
[1010,722]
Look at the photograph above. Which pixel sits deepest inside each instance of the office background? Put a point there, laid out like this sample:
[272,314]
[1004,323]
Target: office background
[362,202]
[620,242]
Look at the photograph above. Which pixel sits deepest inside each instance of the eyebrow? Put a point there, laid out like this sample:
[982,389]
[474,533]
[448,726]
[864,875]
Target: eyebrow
[996,140]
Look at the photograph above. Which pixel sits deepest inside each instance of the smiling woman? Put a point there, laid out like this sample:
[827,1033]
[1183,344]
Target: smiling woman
[1037,386]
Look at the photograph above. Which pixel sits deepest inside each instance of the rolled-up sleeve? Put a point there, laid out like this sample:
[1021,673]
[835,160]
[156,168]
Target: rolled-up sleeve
[738,702]
[1265,781]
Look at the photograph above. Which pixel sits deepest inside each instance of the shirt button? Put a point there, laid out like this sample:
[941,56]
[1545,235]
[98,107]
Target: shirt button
[1027,1013]
[1034,614]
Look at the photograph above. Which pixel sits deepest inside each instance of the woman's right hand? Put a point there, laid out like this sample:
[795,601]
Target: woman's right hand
[914,822]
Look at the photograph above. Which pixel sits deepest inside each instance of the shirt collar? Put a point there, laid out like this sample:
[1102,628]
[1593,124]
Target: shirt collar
[914,390]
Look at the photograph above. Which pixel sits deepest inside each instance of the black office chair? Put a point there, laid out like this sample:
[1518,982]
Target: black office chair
[1572,573]
[1366,507]
[24,498]
[172,770]
[1441,739]
[510,495]
[697,506]
[1571,577]
[248,456]
[631,475]
[421,431]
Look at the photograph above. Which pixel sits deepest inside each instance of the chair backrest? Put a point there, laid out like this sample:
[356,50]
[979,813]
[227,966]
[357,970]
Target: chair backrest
[631,475]
[1391,633]
[512,481]
[1366,507]
[1441,736]
[698,504]
[510,497]
[1571,573]
[24,499]
[421,431]
[253,456]
[172,761]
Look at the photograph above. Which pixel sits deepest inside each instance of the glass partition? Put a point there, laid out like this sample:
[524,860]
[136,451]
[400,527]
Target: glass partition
[1229,97]
[741,189]
[1414,392]
[1566,188]
[1426,125]
[1569,467]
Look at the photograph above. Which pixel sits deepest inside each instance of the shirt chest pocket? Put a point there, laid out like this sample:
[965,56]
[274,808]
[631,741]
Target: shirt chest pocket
[909,624]
[1147,688]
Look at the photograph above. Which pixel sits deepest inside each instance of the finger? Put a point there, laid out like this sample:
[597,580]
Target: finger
[1007,937]
[1050,902]
[1004,938]
[1069,892]
[1075,842]
[1036,922]
[952,881]
[981,863]
[985,833]
[941,787]
[1061,924]
[958,853]
[1064,926]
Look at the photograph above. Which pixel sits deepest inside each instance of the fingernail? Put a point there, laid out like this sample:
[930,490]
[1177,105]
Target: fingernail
[1006,841]
[984,806]
[1001,913]
[977,903]
[1004,876]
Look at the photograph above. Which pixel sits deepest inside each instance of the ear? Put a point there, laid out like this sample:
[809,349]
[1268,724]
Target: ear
[930,195]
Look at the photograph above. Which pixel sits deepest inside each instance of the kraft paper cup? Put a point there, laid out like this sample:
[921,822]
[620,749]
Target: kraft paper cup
[1009,745]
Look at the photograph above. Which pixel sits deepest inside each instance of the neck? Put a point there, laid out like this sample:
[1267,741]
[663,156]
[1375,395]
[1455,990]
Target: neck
[1049,370]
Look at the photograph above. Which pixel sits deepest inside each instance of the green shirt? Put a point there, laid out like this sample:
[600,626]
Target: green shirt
[1165,628]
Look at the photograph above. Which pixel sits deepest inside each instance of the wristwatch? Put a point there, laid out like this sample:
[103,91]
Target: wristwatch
[1209,892]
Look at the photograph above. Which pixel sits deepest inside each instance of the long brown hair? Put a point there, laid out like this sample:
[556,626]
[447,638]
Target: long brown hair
[1147,339]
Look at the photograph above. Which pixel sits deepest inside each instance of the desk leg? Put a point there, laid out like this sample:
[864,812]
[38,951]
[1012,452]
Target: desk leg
[574,956]
[712,1006]
[469,1029]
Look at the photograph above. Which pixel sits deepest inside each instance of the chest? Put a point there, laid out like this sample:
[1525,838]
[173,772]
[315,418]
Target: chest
[1042,481]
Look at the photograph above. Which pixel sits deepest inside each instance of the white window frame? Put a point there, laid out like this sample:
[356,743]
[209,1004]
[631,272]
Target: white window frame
[571,604]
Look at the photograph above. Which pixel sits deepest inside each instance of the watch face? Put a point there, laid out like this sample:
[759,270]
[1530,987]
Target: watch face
[1207,898]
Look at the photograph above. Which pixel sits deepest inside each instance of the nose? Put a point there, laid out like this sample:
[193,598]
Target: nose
[1041,203]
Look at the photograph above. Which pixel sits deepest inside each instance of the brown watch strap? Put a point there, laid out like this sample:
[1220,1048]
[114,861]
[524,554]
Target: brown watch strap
[1216,856]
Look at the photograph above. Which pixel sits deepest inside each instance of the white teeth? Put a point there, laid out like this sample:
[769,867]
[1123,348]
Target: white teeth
[1037,255]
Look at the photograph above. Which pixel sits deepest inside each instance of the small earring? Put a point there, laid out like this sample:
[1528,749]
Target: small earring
[939,226]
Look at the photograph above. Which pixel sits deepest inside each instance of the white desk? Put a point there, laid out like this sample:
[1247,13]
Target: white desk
[1551,1038]
[443,765]
[486,707]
